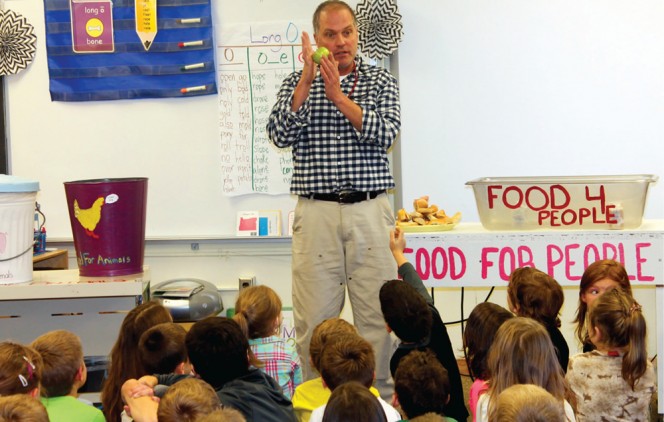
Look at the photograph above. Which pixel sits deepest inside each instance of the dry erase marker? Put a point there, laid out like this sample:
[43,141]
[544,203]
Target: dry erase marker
[193,66]
[191,44]
[190,20]
[193,89]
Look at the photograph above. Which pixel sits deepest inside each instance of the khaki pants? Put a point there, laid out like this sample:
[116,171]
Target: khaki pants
[337,246]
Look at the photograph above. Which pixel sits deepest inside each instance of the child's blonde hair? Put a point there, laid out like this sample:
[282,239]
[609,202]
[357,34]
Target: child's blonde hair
[598,270]
[619,319]
[526,403]
[20,369]
[62,356]
[536,295]
[522,353]
[187,400]
[258,311]
[22,408]
[325,331]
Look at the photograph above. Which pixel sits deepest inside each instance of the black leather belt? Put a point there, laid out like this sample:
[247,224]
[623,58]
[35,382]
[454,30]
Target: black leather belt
[344,197]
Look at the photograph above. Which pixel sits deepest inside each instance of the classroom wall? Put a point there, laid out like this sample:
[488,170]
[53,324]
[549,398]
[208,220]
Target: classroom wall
[516,87]
[175,142]
[529,88]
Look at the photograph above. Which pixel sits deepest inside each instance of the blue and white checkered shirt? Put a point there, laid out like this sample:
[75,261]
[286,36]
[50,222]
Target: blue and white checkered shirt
[329,154]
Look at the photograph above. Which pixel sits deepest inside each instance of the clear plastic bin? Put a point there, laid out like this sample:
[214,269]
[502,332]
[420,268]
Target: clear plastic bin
[563,202]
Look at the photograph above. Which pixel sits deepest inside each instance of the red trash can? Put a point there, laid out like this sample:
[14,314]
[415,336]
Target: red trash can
[108,223]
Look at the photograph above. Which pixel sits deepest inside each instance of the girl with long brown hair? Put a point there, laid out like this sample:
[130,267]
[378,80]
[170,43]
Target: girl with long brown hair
[125,361]
[522,353]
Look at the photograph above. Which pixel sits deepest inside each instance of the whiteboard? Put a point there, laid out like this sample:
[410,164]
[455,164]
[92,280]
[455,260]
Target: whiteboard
[510,88]
[173,142]
[529,88]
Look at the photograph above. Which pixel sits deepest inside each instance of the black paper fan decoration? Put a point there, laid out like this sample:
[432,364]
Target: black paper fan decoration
[379,24]
[17,42]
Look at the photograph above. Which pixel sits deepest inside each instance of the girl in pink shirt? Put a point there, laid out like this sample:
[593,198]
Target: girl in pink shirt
[482,325]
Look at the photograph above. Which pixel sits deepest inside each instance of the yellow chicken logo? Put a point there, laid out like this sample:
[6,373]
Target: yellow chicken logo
[89,218]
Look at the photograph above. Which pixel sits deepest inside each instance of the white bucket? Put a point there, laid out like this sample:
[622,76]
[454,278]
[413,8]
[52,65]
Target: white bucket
[17,210]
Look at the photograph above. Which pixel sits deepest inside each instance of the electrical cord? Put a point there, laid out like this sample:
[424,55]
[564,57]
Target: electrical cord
[38,210]
[486,299]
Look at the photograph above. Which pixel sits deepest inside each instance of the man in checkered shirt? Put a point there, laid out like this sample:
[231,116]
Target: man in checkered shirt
[340,118]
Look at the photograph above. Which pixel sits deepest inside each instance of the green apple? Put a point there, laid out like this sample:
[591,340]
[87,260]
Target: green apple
[319,54]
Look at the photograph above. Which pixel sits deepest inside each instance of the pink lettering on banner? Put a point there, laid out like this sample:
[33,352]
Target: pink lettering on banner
[440,263]
[480,261]
[569,262]
[555,255]
[508,260]
[525,257]
[565,256]
[640,260]
[485,262]
[438,254]
[592,253]
[457,257]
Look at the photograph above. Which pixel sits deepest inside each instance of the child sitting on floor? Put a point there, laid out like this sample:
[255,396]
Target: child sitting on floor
[20,369]
[312,394]
[421,387]
[220,354]
[125,362]
[352,402]
[481,328]
[409,312]
[258,312]
[350,358]
[526,403]
[163,350]
[63,373]
[600,277]
[22,408]
[522,353]
[616,381]
[534,294]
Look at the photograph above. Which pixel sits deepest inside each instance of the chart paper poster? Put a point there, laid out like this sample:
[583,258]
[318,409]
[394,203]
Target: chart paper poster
[92,26]
[253,60]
